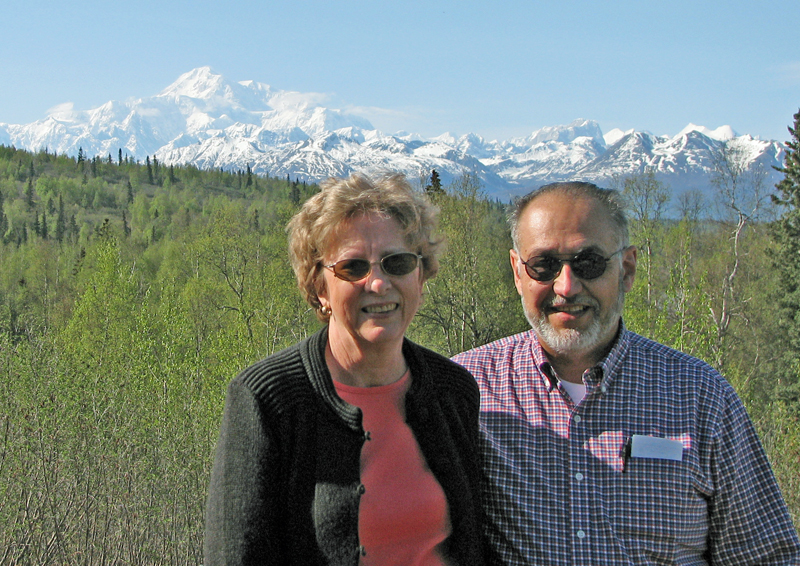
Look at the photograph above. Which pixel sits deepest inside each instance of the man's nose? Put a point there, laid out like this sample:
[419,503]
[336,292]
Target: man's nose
[566,283]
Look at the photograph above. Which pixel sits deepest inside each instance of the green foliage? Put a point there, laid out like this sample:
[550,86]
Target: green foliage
[122,323]
[785,263]
[646,198]
[473,300]
[786,257]
[117,340]
[669,304]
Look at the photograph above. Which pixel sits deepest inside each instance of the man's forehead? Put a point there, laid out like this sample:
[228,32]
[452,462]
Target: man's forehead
[557,223]
[555,202]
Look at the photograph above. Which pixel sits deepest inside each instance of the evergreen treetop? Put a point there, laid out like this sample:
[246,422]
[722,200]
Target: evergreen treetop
[786,258]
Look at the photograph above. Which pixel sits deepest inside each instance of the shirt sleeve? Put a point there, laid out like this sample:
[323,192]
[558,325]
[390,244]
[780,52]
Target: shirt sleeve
[241,510]
[749,520]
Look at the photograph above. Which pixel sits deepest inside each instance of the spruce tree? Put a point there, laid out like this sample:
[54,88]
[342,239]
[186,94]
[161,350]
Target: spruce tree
[126,229]
[149,170]
[434,188]
[786,235]
[61,221]
[156,171]
[3,218]
[29,194]
[73,228]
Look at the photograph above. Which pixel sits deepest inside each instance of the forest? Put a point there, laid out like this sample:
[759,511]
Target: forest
[131,293]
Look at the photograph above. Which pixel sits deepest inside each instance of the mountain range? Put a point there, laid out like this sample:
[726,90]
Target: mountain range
[208,121]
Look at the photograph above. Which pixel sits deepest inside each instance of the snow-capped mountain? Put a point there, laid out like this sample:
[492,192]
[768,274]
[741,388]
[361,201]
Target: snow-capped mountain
[208,121]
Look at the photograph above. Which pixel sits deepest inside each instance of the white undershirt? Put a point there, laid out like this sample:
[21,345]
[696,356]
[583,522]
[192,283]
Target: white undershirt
[577,391]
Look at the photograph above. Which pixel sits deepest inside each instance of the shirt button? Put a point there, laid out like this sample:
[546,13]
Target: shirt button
[581,535]
[603,388]
[579,476]
[577,418]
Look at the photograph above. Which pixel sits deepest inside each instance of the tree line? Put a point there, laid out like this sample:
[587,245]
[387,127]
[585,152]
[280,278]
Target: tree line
[131,293]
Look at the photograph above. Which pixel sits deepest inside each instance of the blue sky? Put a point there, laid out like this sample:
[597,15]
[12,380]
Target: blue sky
[498,69]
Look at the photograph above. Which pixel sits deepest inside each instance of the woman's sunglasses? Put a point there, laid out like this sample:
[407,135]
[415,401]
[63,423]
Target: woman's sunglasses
[394,265]
[586,265]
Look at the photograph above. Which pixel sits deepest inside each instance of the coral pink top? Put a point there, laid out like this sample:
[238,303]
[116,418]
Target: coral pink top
[403,515]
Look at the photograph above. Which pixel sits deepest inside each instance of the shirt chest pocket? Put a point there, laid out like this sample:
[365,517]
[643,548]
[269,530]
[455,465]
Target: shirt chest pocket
[659,500]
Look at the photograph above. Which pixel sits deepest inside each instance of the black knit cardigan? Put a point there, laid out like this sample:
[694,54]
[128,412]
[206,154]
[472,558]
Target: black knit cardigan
[285,484]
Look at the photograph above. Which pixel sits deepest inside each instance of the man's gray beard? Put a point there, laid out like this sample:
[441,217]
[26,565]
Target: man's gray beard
[571,340]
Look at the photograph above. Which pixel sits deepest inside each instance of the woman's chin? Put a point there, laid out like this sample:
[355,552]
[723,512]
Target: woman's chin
[377,333]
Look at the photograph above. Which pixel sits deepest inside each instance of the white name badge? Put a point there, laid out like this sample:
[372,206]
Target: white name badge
[654,447]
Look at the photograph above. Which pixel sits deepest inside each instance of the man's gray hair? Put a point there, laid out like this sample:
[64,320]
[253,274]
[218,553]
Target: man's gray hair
[608,198]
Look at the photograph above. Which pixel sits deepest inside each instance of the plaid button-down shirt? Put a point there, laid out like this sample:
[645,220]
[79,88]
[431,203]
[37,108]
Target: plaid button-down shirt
[564,487]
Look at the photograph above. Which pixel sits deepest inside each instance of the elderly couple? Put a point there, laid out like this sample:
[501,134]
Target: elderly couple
[576,442]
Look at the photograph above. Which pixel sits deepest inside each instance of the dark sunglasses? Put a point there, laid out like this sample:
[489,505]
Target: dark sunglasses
[586,265]
[394,265]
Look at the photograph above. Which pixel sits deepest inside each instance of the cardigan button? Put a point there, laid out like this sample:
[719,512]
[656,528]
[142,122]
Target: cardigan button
[361,489]
[367,435]
[362,550]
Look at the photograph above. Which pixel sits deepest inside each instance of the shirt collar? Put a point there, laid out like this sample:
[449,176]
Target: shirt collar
[602,374]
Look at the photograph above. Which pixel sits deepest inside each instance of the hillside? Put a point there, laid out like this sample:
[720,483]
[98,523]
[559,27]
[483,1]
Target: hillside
[132,293]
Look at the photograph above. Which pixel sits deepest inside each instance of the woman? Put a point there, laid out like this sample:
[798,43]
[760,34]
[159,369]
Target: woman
[355,445]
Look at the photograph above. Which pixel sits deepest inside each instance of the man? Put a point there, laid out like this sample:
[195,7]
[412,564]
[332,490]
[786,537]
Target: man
[601,446]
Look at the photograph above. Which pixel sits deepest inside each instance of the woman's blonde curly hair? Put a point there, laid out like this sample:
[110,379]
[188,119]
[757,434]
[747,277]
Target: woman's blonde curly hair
[314,229]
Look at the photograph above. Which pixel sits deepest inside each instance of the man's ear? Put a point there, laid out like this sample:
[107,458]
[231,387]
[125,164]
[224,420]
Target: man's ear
[514,257]
[629,256]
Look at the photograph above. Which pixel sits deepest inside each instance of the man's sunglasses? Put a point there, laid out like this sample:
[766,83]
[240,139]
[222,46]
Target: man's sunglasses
[394,265]
[586,265]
